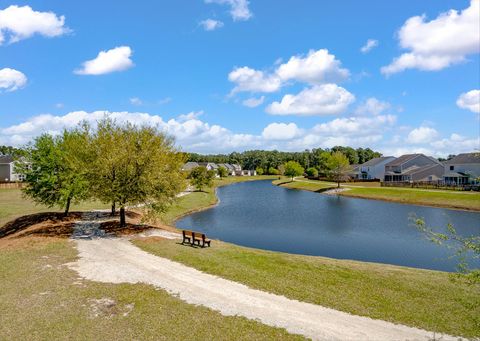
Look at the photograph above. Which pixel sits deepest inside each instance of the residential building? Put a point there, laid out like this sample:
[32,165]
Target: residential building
[374,168]
[462,169]
[228,167]
[189,166]
[413,168]
[7,169]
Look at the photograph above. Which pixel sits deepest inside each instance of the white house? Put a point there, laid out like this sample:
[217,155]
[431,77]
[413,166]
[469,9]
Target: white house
[374,168]
[7,169]
[462,169]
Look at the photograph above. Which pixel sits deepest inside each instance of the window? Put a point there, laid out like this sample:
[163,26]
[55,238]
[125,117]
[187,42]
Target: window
[452,167]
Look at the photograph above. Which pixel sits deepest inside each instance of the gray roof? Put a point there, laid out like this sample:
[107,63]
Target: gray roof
[6,159]
[190,165]
[376,161]
[402,159]
[464,158]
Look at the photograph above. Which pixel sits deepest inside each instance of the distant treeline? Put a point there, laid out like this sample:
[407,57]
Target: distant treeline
[264,159]
[15,152]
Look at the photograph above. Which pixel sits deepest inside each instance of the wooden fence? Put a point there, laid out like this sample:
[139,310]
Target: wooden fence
[5,185]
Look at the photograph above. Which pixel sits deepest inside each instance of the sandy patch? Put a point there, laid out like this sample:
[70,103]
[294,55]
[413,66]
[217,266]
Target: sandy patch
[336,191]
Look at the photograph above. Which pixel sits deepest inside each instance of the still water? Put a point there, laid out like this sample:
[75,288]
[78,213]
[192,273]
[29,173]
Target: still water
[258,214]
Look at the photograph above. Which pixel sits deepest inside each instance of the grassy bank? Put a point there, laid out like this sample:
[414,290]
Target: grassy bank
[436,198]
[14,205]
[41,299]
[420,298]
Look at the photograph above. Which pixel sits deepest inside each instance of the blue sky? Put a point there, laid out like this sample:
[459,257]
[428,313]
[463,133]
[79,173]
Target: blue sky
[285,75]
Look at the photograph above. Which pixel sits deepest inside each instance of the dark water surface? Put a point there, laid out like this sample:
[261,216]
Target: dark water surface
[258,214]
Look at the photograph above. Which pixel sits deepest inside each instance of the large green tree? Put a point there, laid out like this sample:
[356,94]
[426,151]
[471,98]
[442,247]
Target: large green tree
[134,166]
[200,177]
[293,169]
[339,167]
[54,169]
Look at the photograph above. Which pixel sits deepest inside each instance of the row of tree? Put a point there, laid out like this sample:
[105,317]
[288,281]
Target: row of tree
[266,160]
[117,164]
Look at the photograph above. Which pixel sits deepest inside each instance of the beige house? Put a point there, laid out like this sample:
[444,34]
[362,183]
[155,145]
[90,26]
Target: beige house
[462,169]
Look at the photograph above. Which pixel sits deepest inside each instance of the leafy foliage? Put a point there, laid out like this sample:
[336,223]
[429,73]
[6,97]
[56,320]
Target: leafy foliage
[267,160]
[312,171]
[293,169]
[461,246]
[338,166]
[222,172]
[259,171]
[54,169]
[200,177]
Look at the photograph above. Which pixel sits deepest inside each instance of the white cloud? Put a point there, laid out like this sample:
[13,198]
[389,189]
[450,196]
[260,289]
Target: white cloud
[253,102]
[422,135]
[165,100]
[135,101]
[195,135]
[116,59]
[211,24]
[372,106]
[439,43]
[470,100]
[238,8]
[247,79]
[11,79]
[23,22]
[280,131]
[325,99]
[370,44]
[317,67]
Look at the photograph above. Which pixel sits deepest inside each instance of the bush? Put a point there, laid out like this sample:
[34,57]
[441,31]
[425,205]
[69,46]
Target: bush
[273,171]
[259,171]
[312,172]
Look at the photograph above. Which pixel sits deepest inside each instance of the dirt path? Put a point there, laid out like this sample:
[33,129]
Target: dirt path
[117,260]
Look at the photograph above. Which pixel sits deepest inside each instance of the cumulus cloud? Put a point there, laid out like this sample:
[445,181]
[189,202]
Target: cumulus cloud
[11,79]
[439,43]
[372,106]
[253,102]
[211,24]
[116,59]
[314,68]
[370,44]
[317,67]
[470,101]
[193,134]
[325,99]
[18,23]
[422,135]
[247,79]
[280,131]
[238,8]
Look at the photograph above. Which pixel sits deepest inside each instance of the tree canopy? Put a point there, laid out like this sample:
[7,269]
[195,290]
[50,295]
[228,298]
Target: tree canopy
[338,166]
[293,169]
[200,177]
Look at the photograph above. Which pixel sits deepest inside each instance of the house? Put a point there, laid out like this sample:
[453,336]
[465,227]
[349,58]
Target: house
[7,169]
[209,165]
[248,172]
[413,168]
[374,168]
[462,169]
[228,167]
[189,166]
[354,172]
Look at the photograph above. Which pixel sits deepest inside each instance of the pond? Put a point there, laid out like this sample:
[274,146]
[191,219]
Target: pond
[260,215]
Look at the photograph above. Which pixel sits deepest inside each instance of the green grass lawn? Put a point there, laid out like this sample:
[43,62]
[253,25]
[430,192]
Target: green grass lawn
[448,199]
[439,198]
[14,205]
[41,299]
[420,298]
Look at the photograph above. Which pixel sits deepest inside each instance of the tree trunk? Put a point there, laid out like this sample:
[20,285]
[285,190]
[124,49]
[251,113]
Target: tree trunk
[123,221]
[113,209]
[338,183]
[67,207]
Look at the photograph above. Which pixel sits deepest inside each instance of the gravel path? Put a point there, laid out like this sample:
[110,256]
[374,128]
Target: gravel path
[117,260]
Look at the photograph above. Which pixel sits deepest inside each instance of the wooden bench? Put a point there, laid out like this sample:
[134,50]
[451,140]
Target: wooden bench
[193,238]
